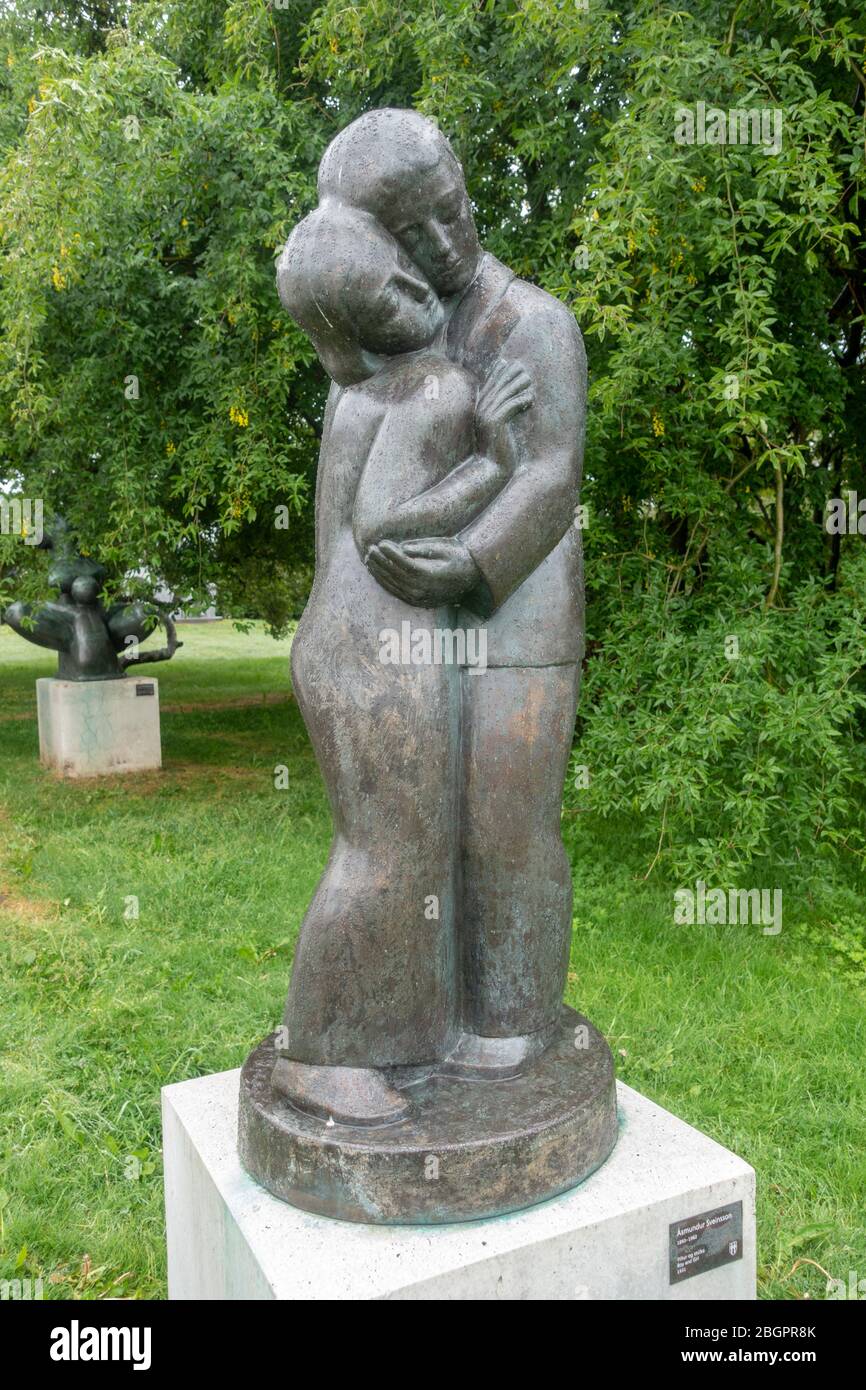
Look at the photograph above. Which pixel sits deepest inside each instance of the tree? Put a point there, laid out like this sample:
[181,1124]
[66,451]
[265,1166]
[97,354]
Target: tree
[717,271]
[150,385]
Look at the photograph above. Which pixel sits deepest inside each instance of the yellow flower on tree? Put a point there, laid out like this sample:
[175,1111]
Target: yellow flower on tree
[239,416]
[658,425]
[58,279]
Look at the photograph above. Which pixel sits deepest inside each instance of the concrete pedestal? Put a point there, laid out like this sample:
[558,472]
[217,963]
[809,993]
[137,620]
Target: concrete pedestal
[670,1215]
[93,728]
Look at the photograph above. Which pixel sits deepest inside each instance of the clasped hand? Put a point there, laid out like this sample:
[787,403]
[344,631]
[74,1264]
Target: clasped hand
[441,570]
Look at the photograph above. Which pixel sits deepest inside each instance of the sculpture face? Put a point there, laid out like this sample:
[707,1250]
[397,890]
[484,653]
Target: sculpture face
[85,590]
[398,166]
[400,312]
[346,280]
[430,215]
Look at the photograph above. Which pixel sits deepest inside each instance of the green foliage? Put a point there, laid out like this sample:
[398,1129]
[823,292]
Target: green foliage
[724,290]
[729,732]
[721,291]
[150,385]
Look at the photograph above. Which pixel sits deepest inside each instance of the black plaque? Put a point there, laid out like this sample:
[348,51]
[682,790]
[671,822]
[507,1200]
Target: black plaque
[703,1242]
[144,689]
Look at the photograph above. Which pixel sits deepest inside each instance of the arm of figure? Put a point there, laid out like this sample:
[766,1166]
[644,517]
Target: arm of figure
[129,620]
[51,625]
[382,513]
[130,624]
[532,513]
[525,521]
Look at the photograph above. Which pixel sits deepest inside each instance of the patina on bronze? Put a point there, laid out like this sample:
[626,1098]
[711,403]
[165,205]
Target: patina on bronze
[94,643]
[425,1012]
[471,1149]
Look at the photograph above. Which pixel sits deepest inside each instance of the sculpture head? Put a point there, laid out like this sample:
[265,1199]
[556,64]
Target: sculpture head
[353,289]
[85,590]
[68,564]
[399,166]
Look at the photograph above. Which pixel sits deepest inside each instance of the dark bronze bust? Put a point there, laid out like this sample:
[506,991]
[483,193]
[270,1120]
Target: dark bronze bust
[94,643]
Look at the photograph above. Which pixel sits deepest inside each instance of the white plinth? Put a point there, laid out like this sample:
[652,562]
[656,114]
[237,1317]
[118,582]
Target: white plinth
[608,1239]
[93,728]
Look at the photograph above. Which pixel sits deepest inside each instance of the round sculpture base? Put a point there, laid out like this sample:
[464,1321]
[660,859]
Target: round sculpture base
[469,1149]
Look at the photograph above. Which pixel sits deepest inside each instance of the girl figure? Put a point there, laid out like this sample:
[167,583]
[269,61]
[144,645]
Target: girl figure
[411,448]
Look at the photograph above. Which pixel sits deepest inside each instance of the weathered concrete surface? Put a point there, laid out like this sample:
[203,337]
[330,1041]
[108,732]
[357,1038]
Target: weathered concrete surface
[96,728]
[606,1239]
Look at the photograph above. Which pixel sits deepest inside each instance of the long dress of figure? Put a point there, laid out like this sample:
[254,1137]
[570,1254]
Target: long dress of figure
[374,981]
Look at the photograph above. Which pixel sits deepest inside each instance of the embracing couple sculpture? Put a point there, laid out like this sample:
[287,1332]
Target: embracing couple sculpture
[433,957]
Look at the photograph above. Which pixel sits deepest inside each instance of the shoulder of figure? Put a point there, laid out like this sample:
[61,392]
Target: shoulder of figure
[428,376]
[543,316]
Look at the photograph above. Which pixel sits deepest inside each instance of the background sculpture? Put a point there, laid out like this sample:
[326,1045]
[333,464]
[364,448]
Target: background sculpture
[426,996]
[94,643]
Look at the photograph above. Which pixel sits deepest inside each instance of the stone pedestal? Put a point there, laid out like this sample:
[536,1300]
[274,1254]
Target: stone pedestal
[670,1215]
[94,728]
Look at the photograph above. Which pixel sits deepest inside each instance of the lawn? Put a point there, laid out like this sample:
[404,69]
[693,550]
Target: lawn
[148,927]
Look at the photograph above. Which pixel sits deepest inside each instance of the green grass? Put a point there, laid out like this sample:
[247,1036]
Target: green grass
[758,1041]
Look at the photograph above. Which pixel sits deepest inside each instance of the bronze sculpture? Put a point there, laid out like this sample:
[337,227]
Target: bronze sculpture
[425,1012]
[93,643]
